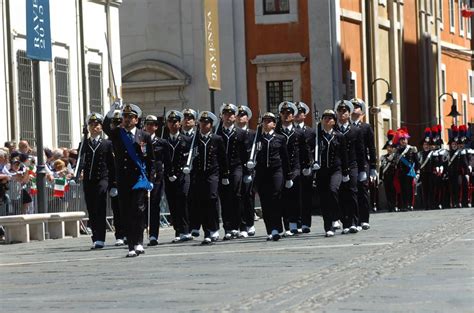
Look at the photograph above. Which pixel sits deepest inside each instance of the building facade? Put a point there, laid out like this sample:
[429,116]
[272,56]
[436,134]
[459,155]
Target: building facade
[77,81]
[163,54]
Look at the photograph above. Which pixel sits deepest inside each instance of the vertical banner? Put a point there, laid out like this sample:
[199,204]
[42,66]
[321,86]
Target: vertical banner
[211,30]
[38,30]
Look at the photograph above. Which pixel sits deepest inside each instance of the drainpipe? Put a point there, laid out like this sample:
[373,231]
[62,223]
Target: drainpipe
[9,74]
[83,60]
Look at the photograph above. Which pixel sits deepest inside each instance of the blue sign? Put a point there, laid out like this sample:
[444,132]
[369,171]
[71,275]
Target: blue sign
[38,30]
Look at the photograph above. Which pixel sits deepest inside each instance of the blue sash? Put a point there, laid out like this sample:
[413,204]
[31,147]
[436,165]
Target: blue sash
[411,172]
[143,182]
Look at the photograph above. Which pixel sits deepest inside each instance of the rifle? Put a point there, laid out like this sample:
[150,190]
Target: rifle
[316,165]
[77,171]
[252,162]
[188,166]
[163,127]
[110,64]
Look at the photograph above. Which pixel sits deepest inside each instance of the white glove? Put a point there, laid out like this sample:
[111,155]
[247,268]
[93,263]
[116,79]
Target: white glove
[345,178]
[362,176]
[113,192]
[470,169]
[441,168]
[437,169]
[186,170]
[417,177]
[373,174]
[316,166]
[467,178]
[250,164]
[225,181]
[172,178]
[247,179]
[307,171]
[288,184]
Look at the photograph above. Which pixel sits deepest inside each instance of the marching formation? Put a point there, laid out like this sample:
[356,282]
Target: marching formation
[210,168]
[443,177]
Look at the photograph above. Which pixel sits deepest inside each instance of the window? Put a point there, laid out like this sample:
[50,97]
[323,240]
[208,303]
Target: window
[25,97]
[464,108]
[440,13]
[470,79]
[443,79]
[351,85]
[95,88]
[276,7]
[63,103]
[461,19]
[451,16]
[277,92]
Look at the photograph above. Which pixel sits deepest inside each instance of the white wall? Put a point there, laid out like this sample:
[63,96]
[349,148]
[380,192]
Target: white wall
[66,44]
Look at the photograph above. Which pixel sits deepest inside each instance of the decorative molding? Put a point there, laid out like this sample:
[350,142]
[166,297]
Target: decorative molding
[282,58]
[351,15]
[457,48]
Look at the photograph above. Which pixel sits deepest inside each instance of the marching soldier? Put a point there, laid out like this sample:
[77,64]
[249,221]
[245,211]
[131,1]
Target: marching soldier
[306,181]
[98,174]
[189,122]
[457,168]
[159,147]
[370,160]
[463,139]
[177,183]
[235,143]
[427,169]
[188,127]
[387,166]
[440,164]
[272,171]
[247,227]
[298,154]
[209,164]
[134,157]
[356,162]
[333,167]
[407,166]
[115,121]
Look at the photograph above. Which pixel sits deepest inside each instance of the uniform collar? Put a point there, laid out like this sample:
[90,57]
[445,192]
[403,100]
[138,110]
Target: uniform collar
[301,125]
[230,128]
[289,127]
[96,138]
[245,127]
[206,135]
[345,125]
[133,131]
[269,133]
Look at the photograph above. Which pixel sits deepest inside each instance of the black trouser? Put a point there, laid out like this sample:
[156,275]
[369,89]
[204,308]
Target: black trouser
[363,200]
[118,219]
[269,185]
[465,191]
[291,202]
[407,190]
[438,190]
[177,196]
[306,200]
[455,184]
[390,192]
[328,182]
[155,210]
[230,197]
[348,200]
[95,193]
[132,208]
[248,205]
[204,188]
[427,189]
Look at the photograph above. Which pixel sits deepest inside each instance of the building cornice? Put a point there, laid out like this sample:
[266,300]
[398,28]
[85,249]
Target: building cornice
[456,48]
[269,59]
[351,15]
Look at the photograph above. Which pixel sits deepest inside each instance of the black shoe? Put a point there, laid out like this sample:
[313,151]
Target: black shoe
[152,243]
[306,230]
[276,237]
[206,241]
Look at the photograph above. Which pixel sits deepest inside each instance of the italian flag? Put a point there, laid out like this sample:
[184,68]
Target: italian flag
[32,174]
[60,187]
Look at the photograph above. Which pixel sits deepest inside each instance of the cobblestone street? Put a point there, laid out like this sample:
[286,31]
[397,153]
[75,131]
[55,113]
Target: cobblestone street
[420,261]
